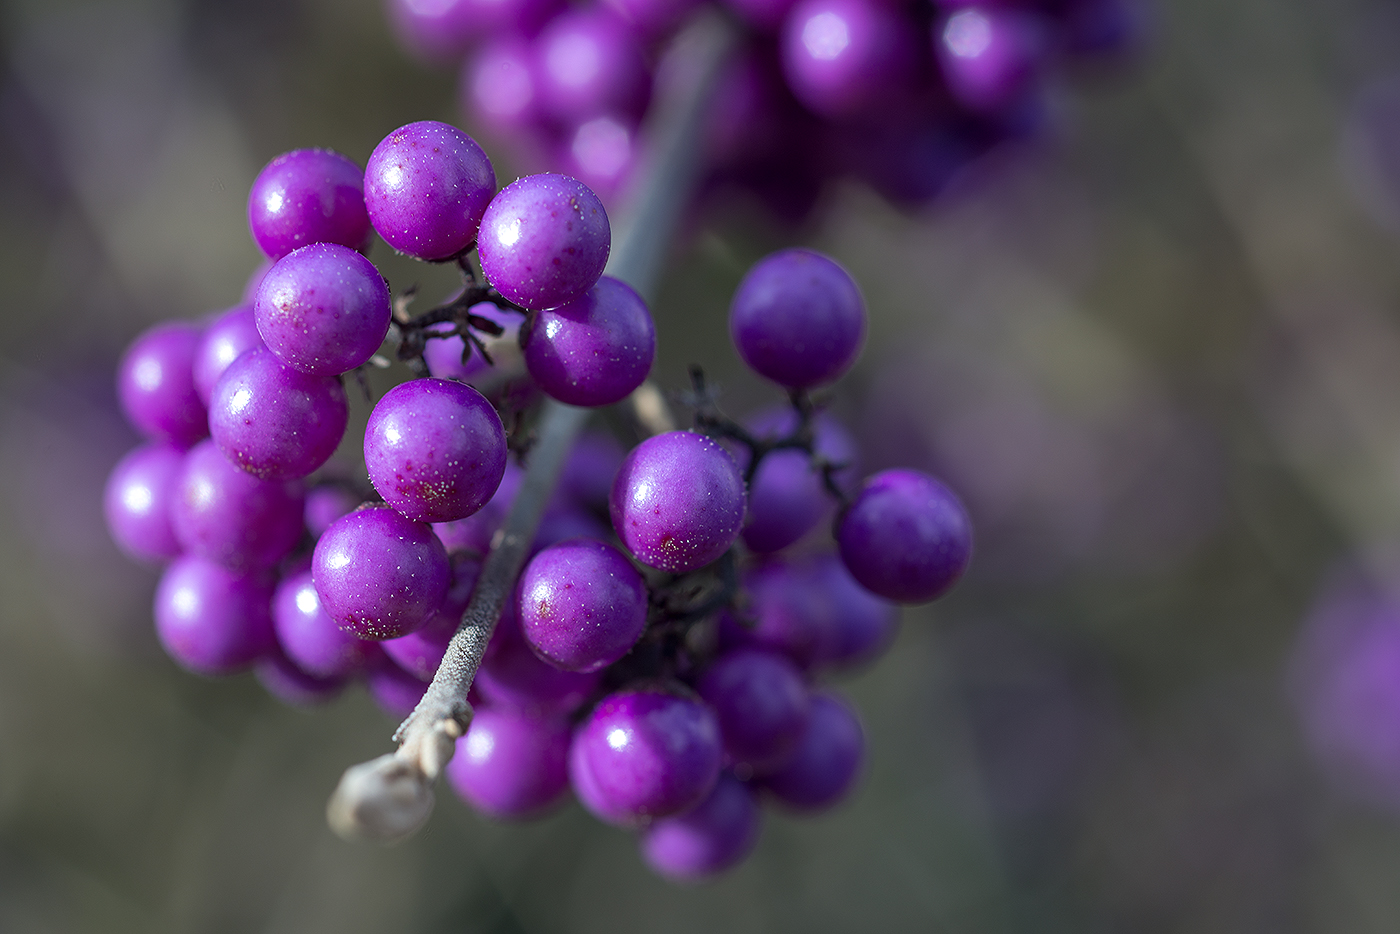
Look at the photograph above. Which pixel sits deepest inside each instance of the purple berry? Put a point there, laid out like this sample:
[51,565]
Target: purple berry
[155,383]
[213,620]
[395,691]
[311,639]
[581,605]
[230,516]
[718,833]
[590,65]
[593,799]
[378,574]
[544,240]
[511,765]
[827,761]
[420,653]
[602,152]
[761,704]
[594,350]
[905,537]
[231,335]
[842,57]
[137,502]
[513,678]
[275,422]
[988,56]
[474,533]
[440,30]
[426,186]
[651,751]
[678,501]
[323,309]
[293,686]
[499,85]
[798,319]
[435,449]
[860,625]
[788,612]
[325,504]
[308,196]
[588,474]
[444,355]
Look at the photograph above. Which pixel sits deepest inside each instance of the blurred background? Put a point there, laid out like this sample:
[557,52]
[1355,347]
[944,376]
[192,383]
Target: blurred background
[1157,352]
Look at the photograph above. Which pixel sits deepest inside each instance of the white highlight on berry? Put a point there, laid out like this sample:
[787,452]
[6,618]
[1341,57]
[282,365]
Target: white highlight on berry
[186,601]
[479,745]
[273,202]
[307,600]
[826,36]
[508,234]
[617,738]
[148,374]
[968,33]
[138,499]
[241,400]
[602,147]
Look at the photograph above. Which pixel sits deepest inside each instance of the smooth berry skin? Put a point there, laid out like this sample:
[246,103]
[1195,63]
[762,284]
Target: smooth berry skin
[323,309]
[155,383]
[827,761]
[294,687]
[308,196]
[213,620]
[788,613]
[230,336]
[275,422]
[544,240]
[435,449]
[511,765]
[501,85]
[590,65]
[227,515]
[651,752]
[395,691]
[137,502]
[594,350]
[581,605]
[988,56]
[842,57]
[379,574]
[474,533]
[426,187]
[715,835]
[420,653]
[325,504]
[677,502]
[906,537]
[312,640]
[512,677]
[860,626]
[798,319]
[762,706]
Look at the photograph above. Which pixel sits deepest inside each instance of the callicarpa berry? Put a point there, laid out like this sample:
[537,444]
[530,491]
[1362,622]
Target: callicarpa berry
[798,319]
[155,383]
[323,309]
[581,604]
[284,680]
[590,65]
[905,537]
[227,338]
[308,196]
[435,449]
[276,422]
[426,186]
[678,501]
[311,639]
[761,704]
[845,56]
[213,620]
[593,351]
[716,834]
[544,240]
[378,574]
[395,691]
[512,677]
[827,761]
[137,502]
[420,653]
[511,765]
[227,515]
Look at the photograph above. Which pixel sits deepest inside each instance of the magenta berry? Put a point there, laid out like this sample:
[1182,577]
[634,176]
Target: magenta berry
[581,604]
[213,620]
[594,350]
[308,196]
[155,383]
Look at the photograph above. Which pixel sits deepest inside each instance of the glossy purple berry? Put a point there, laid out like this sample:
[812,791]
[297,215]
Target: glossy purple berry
[798,319]
[581,604]
[650,751]
[325,504]
[788,612]
[137,502]
[787,493]
[421,652]
[761,703]
[590,64]
[842,57]
[678,501]
[588,474]
[155,383]
[426,186]
[474,533]
[323,309]
[602,152]
[544,240]
[308,196]
[594,350]
[988,56]
[311,639]
[379,575]
[213,620]
[718,833]
[860,625]
[275,422]
[512,677]
[228,337]
[511,765]
[827,761]
[228,515]
[435,449]
[905,537]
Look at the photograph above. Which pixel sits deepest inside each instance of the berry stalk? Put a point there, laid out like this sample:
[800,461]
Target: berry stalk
[389,798]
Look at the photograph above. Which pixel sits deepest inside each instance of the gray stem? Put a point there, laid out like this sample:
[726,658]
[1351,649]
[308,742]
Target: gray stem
[389,798]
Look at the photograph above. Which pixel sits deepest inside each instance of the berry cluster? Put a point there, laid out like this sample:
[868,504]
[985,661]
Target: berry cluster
[900,94]
[665,668]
